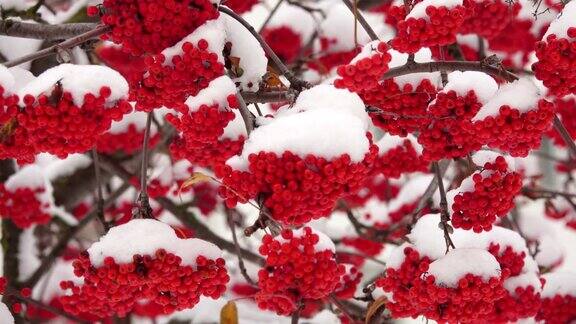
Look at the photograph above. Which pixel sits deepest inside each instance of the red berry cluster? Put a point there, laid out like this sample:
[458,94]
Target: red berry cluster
[14,141]
[127,142]
[56,125]
[365,71]
[491,194]
[447,135]
[403,107]
[206,155]
[508,258]
[241,6]
[516,41]
[490,17]
[349,282]
[558,309]
[523,302]
[438,28]
[115,289]
[514,132]
[169,83]
[401,159]
[366,246]
[556,63]
[149,26]
[295,190]
[22,206]
[285,42]
[131,67]
[297,267]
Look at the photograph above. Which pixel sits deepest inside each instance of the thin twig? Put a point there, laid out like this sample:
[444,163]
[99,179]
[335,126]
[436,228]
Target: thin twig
[444,215]
[241,264]
[99,194]
[145,209]
[559,126]
[430,190]
[294,81]
[245,113]
[269,18]
[68,44]
[371,33]
[449,66]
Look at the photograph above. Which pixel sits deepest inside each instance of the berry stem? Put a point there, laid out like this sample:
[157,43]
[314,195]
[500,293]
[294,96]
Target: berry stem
[246,114]
[360,18]
[294,81]
[430,190]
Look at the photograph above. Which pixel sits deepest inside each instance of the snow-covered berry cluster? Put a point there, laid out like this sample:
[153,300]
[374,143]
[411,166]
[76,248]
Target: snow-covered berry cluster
[299,265]
[366,69]
[64,110]
[430,25]
[144,261]
[182,70]
[131,67]
[558,298]
[486,194]
[512,125]
[209,125]
[489,17]
[149,26]
[25,198]
[298,179]
[127,135]
[398,155]
[556,54]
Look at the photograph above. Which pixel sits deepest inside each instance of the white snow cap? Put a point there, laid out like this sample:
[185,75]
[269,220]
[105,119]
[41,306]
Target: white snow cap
[559,283]
[253,60]
[412,190]
[327,96]
[483,84]
[523,280]
[136,118]
[145,237]
[30,176]
[324,242]
[377,210]
[235,128]
[212,31]
[295,18]
[457,263]
[388,142]
[565,20]
[325,133]
[7,80]
[217,92]
[508,95]
[419,10]
[79,80]
[66,167]
[480,158]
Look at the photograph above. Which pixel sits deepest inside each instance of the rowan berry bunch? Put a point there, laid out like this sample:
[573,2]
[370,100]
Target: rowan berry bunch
[131,67]
[427,25]
[348,282]
[172,79]
[397,156]
[114,286]
[558,298]
[23,207]
[556,54]
[489,17]
[514,130]
[403,107]
[366,69]
[150,26]
[127,135]
[13,139]
[484,196]
[299,265]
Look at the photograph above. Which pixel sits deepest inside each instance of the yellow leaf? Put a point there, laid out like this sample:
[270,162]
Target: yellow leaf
[374,308]
[229,313]
[197,177]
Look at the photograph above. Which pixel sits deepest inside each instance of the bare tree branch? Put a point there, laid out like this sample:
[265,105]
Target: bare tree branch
[14,28]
